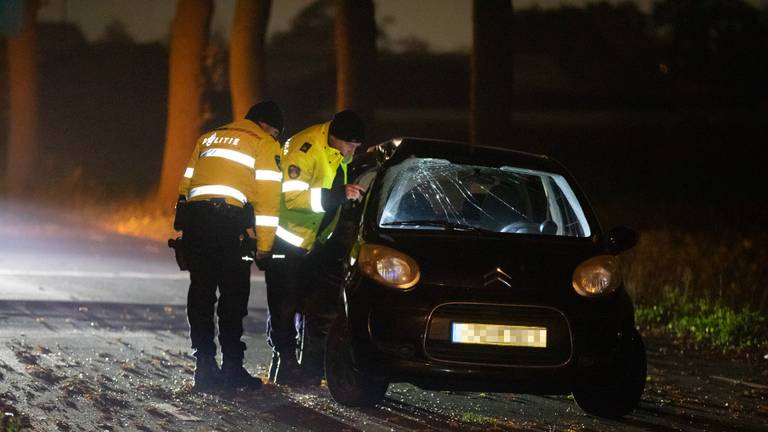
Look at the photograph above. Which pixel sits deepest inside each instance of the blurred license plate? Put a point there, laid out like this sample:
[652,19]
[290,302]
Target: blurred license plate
[495,334]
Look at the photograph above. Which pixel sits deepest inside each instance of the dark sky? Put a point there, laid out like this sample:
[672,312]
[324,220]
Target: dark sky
[444,24]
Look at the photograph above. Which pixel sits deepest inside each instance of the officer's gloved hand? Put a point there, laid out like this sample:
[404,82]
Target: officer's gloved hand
[341,195]
[263,259]
[354,192]
[248,248]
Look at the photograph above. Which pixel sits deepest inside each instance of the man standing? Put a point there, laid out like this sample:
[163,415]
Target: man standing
[314,171]
[229,199]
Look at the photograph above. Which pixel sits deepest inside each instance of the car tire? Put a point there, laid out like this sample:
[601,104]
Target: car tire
[615,391]
[348,386]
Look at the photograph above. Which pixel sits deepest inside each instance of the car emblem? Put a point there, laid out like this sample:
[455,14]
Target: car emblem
[497,275]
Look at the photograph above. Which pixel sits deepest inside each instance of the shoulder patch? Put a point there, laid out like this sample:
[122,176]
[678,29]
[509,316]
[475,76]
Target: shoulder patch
[294,171]
[305,147]
[277,161]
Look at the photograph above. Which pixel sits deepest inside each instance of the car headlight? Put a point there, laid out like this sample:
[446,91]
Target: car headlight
[597,276]
[388,266]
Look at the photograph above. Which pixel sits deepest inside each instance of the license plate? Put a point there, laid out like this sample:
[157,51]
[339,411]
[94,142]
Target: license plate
[496,334]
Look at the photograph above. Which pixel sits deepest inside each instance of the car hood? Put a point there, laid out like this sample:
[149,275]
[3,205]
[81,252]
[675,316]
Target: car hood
[518,261]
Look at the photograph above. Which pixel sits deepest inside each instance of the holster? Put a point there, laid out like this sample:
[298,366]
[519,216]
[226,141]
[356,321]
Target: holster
[180,253]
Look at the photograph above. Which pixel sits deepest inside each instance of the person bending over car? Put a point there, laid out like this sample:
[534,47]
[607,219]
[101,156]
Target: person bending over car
[314,187]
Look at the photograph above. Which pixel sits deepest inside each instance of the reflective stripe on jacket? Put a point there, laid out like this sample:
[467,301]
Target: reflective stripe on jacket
[239,162]
[309,165]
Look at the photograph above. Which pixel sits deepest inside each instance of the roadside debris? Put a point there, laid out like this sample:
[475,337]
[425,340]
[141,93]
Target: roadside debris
[746,383]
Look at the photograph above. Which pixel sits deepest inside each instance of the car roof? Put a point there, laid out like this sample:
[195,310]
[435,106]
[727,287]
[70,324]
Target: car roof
[398,149]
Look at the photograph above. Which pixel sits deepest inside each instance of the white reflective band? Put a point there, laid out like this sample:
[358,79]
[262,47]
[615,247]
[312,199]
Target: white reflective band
[189,172]
[316,200]
[232,155]
[269,221]
[218,190]
[289,237]
[269,175]
[295,185]
[278,256]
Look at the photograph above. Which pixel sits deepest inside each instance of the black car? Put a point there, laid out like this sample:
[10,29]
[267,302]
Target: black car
[481,269]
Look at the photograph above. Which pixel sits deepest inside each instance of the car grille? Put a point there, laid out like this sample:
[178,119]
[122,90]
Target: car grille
[438,344]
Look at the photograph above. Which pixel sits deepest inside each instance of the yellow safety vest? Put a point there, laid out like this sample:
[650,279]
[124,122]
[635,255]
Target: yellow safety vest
[239,162]
[309,165]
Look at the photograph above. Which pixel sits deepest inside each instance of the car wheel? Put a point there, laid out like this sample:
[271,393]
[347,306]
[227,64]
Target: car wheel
[615,391]
[348,386]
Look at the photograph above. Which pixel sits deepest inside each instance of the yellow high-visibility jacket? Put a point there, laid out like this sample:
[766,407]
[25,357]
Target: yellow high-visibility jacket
[239,162]
[309,166]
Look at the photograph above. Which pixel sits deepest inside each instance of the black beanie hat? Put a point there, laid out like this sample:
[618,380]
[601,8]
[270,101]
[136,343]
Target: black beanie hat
[347,126]
[266,112]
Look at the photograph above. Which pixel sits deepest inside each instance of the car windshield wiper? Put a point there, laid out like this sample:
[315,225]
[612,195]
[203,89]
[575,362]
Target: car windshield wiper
[436,223]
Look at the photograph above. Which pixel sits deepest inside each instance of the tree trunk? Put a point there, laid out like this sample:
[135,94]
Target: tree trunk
[355,35]
[185,89]
[246,54]
[491,72]
[22,120]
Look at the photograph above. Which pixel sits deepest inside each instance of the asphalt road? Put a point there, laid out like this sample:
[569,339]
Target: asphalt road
[93,337]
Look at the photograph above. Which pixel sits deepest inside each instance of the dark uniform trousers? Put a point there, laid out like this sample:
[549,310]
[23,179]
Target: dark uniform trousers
[213,241]
[320,307]
[301,303]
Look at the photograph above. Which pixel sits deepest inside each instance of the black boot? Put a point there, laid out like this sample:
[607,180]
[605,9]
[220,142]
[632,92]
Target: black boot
[207,372]
[236,376]
[288,371]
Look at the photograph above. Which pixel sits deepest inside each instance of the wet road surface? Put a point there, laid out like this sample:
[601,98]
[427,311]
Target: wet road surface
[108,366]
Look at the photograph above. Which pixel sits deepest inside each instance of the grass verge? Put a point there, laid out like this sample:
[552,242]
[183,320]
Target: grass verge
[708,287]
[705,322]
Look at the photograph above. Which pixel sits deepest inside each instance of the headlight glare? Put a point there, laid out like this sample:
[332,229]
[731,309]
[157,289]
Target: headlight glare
[597,276]
[388,266]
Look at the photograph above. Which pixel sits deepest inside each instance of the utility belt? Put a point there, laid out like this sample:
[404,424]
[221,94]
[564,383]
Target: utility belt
[187,211]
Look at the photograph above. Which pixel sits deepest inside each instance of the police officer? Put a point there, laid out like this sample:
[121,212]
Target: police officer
[232,191]
[314,187]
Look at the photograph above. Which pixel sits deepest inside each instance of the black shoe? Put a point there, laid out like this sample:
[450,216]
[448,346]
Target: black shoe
[207,373]
[311,380]
[311,374]
[235,376]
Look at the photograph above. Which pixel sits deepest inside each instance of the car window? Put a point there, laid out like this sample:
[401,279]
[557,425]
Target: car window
[435,194]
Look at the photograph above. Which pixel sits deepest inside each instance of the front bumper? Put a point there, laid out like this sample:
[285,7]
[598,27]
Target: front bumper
[405,336]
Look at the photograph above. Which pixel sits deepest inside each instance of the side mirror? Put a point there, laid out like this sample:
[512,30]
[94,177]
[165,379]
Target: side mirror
[620,239]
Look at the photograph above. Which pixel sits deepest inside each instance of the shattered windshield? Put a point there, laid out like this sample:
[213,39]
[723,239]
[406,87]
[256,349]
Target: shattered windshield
[435,194]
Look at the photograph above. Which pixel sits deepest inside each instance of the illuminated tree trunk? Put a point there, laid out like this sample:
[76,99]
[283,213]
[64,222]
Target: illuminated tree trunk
[22,121]
[246,54]
[189,41]
[355,35]
[491,72]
